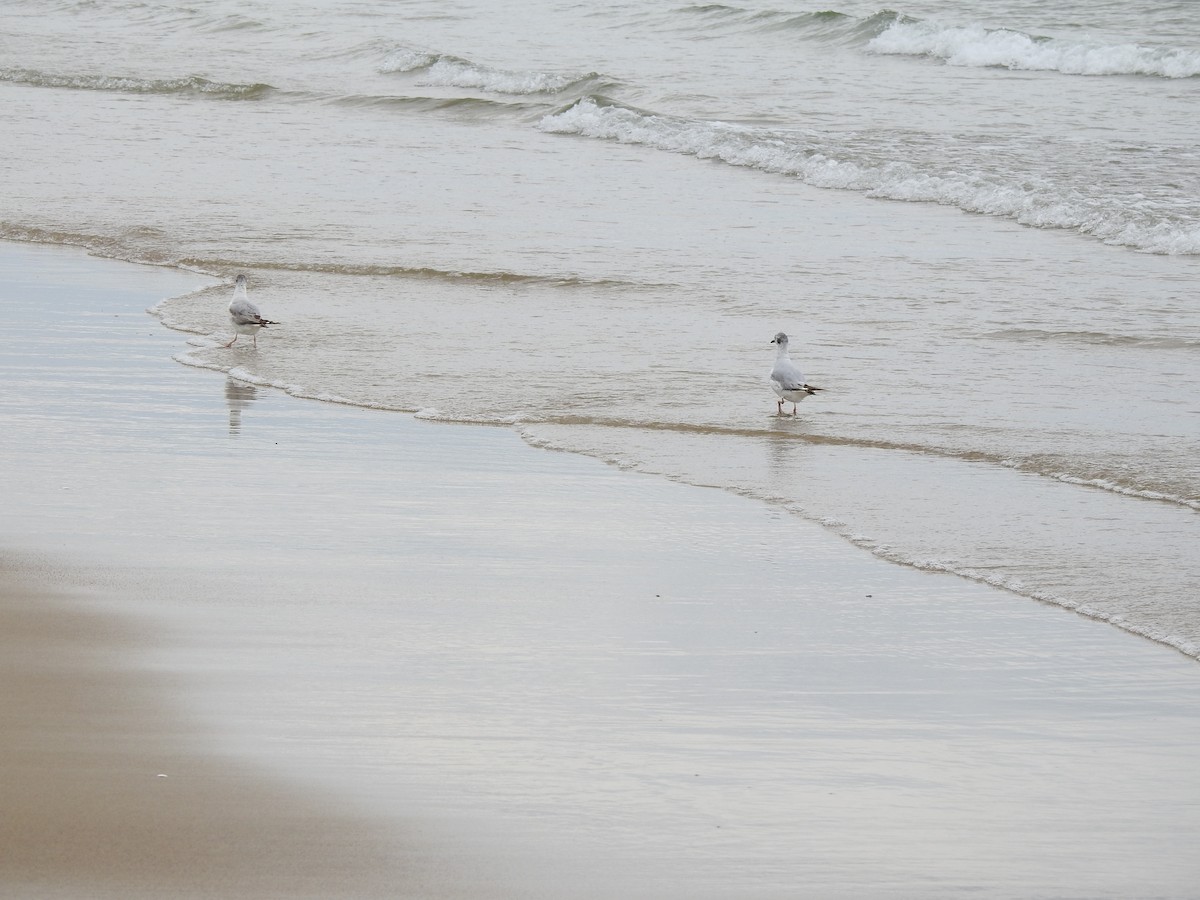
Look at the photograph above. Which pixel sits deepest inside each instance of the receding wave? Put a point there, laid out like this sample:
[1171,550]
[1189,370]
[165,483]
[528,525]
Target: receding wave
[192,358]
[369,270]
[192,84]
[975,45]
[131,244]
[1015,584]
[1009,582]
[824,161]
[1113,487]
[128,245]
[450,71]
[1019,587]
[1045,467]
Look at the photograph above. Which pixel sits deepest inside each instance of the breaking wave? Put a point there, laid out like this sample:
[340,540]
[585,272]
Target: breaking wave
[891,33]
[975,45]
[827,162]
[450,71]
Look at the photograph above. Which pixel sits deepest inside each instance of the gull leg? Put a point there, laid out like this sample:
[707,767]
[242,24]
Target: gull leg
[779,403]
[254,337]
[230,344]
[793,409]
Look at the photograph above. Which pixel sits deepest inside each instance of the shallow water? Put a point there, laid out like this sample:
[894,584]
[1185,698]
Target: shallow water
[979,223]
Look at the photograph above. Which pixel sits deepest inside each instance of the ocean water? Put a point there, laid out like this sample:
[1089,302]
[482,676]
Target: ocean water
[978,222]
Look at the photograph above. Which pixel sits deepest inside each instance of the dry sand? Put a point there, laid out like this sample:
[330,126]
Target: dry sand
[108,792]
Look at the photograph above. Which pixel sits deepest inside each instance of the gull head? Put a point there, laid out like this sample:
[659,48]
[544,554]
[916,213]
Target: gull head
[780,339]
[241,279]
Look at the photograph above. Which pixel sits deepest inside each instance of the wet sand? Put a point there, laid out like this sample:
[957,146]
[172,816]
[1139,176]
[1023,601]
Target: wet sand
[109,786]
[380,657]
[109,792]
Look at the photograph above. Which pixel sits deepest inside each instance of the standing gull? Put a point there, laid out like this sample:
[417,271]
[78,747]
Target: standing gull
[245,315]
[786,379]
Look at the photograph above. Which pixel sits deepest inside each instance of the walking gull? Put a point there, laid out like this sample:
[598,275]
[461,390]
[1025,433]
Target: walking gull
[245,315]
[786,379]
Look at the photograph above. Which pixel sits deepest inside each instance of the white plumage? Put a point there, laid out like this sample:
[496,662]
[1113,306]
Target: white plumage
[786,378]
[245,315]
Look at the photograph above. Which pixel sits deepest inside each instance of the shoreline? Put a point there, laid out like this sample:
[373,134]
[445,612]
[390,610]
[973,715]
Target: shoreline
[543,439]
[571,664]
[1101,578]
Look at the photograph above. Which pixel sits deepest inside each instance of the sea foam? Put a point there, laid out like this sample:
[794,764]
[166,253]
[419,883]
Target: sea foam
[974,45]
[822,161]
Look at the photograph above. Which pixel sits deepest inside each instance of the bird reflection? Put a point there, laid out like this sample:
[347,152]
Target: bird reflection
[786,448]
[238,395]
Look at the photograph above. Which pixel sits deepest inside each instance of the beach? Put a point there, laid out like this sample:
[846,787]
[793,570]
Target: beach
[262,646]
[491,571]
[587,224]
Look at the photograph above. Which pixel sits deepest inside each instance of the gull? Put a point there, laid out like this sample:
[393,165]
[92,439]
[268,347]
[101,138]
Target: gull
[245,315]
[786,379]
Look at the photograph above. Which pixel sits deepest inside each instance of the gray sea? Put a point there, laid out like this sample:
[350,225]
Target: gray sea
[979,224]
